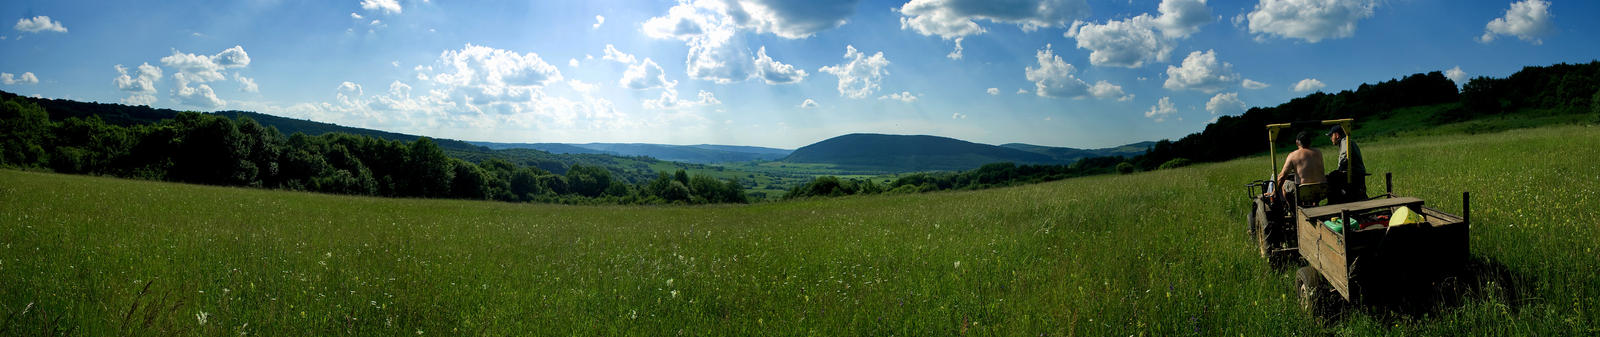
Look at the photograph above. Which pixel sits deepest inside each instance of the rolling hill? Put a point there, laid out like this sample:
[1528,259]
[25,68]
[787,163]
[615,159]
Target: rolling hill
[1066,155]
[698,154]
[903,153]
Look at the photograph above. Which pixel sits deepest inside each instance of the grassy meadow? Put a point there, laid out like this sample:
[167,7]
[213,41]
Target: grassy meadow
[1159,253]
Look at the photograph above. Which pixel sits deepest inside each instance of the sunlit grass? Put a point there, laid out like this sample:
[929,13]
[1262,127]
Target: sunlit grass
[1159,253]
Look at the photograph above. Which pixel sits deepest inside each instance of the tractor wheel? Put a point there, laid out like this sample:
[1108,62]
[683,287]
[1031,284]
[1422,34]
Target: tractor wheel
[1313,290]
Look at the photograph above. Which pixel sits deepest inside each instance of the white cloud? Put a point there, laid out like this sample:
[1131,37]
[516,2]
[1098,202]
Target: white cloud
[381,6]
[1022,91]
[580,86]
[789,19]
[1161,110]
[200,95]
[246,84]
[40,24]
[612,54]
[1310,84]
[1106,90]
[141,85]
[645,75]
[349,95]
[1528,20]
[808,104]
[956,54]
[1253,85]
[993,91]
[1227,104]
[1136,40]
[1053,77]
[669,100]
[572,62]
[1201,72]
[775,72]
[598,20]
[958,115]
[25,78]
[496,73]
[1180,18]
[860,74]
[957,19]
[195,68]
[903,96]
[1309,20]
[353,15]
[1456,75]
[710,28]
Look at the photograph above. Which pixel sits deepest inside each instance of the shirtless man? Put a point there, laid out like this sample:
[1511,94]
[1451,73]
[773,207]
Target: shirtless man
[1305,162]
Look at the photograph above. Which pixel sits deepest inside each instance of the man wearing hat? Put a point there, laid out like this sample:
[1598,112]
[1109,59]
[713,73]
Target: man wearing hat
[1348,181]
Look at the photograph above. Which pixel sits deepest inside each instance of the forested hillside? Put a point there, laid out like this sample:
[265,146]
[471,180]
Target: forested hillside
[216,150]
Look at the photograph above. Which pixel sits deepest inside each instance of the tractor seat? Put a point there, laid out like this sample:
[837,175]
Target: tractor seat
[1309,195]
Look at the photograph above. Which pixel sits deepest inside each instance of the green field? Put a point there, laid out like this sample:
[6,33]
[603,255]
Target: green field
[1159,253]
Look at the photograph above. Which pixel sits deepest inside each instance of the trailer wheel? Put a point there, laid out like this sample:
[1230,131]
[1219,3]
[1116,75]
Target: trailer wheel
[1313,290]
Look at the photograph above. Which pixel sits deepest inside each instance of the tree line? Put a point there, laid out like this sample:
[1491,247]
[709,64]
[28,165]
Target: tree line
[988,176]
[215,150]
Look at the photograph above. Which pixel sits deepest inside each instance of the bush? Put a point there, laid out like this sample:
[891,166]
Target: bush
[1124,168]
[1175,163]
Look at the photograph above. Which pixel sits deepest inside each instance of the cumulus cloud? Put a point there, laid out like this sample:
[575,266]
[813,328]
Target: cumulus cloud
[1106,90]
[612,54]
[1132,42]
[40,24]
[903,96]
[1456,75]
[1053,77]
[200,69]
[1225,104]
[1528,20]
[25,78]
[381,6]
[598,20]
[957,19]
[353,15]
[1161,110]
[196,68]
[1309,20]
[958,115]
[140,85]
[669,100]
[645,75]
[993,91]
[199,95]
[1201,71]
[860,74]
[572,62]
[711,29]
[775,72]
[1309,84]
[246,84]
[1253,85]
[808,104]
[493,72]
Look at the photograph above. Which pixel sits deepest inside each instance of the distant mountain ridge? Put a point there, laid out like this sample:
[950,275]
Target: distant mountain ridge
[910,153]
[698,154]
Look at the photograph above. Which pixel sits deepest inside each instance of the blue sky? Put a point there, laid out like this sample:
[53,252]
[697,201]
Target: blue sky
[766,72]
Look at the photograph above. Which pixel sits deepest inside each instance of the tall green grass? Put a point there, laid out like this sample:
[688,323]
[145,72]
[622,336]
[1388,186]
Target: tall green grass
[1158,253]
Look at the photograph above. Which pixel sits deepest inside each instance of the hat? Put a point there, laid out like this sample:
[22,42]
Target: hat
[1336,129]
